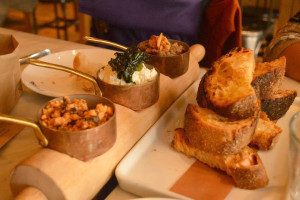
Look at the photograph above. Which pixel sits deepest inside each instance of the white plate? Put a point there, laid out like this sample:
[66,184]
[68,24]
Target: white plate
[56,83]
[153,166]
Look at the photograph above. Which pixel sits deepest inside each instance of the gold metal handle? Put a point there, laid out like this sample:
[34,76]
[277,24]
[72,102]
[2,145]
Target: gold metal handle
[69,70]
[105,42]
[18,120]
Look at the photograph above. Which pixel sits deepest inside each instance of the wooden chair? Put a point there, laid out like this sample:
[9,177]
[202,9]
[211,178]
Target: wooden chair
[17,14]
[56,23]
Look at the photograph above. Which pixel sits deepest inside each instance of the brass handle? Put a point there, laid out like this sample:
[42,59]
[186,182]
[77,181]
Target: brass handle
[18,120]
[69,70]
[105,42]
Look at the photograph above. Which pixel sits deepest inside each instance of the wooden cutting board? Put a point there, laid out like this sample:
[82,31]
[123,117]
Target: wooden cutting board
[59,176]
[8,131]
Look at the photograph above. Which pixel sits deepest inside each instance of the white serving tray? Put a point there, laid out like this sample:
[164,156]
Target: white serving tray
[152,167]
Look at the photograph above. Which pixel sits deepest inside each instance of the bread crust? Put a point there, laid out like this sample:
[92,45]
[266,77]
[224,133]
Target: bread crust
[278,104]
[201,94]
[268,77]
[266,134]
[242,109]
[245,104]
[245,167]
[250,177]
[213,133]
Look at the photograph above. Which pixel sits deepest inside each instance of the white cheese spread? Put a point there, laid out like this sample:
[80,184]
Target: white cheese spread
[139,77]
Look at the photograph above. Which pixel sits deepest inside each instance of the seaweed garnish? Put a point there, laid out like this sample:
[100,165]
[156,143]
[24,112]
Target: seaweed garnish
[125,64]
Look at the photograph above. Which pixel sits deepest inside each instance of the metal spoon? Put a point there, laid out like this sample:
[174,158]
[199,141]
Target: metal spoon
[35,55]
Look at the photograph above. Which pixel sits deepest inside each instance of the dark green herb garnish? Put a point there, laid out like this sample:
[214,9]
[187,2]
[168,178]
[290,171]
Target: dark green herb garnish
[125,64]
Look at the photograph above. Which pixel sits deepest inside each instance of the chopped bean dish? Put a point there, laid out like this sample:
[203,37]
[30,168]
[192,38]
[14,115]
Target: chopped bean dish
[67,115]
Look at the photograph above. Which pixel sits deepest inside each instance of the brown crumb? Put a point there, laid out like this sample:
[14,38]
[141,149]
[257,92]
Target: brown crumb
[53,82]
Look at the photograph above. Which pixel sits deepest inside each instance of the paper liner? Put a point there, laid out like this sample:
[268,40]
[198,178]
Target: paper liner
[203,182]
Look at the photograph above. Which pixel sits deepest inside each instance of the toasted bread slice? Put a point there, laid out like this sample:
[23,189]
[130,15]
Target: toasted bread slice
[226,87]
[216,134]
[266,133]
[81,63]
[268,77]
[245,167]
[278,104]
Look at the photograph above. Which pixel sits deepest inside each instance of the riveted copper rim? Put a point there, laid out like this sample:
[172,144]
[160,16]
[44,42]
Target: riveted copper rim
[171,66]
[136,97]
[84,144]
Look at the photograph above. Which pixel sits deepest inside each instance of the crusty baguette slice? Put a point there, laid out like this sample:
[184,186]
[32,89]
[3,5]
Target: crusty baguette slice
[245,167]
[268,77]
[226,87]
[266,133]
[216,134]
[82,64]
[278,104]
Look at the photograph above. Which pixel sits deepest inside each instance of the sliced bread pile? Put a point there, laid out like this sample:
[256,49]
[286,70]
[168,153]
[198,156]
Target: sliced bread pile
[267,80]
[231,115]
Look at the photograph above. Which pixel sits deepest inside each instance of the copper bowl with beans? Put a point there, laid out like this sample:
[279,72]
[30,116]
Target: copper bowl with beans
[172,65]
[85,139]
[83,144]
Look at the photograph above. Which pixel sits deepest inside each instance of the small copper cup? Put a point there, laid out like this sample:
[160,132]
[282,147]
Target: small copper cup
[136,97]
[171,66]
[83,144]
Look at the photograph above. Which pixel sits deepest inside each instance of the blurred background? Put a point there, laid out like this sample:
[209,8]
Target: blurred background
[61,19]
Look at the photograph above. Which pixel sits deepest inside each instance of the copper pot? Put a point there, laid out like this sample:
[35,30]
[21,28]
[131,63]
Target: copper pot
[136,97]
[171,66]
[84,144]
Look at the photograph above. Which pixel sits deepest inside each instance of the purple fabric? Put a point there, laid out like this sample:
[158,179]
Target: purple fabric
[138,19]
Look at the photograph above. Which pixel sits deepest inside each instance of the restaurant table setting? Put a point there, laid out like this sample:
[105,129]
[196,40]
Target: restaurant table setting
[97,171]
[134,142]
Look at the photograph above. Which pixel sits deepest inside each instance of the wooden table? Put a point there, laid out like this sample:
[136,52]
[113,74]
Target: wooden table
[131,126]
[129,132]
